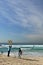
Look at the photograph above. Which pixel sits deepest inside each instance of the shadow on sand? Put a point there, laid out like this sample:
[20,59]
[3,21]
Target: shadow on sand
[30,59]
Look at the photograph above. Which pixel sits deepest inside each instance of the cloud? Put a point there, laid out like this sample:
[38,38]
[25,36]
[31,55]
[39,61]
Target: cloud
[23,13]
[34,38]
[27,14]
[29,38]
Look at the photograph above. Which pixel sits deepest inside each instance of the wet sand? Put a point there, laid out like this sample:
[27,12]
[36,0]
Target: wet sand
[4,60]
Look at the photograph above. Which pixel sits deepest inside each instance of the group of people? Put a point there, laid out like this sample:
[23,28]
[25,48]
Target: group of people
[19,52]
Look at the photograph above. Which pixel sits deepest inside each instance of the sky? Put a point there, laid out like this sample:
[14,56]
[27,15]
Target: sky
[21,21]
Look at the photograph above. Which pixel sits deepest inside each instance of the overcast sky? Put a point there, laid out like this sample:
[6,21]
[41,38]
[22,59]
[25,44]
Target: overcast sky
[21,20]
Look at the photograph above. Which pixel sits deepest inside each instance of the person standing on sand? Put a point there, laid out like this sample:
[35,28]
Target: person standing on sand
[20,52]
[10,46]
[9,50]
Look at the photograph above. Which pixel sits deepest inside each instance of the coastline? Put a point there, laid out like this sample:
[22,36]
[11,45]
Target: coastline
[4,60]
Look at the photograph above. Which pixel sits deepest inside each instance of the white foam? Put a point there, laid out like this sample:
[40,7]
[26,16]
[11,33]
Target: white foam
[17,46]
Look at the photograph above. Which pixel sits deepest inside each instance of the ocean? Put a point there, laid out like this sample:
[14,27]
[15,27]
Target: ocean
[27,50]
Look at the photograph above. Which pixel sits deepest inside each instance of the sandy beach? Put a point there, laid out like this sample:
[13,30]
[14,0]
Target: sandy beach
[4,60]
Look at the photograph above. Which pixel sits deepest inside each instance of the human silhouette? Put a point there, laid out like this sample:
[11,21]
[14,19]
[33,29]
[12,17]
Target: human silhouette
[9,51]
[20,52]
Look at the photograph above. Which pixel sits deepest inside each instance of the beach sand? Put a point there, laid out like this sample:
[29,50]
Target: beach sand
[4,60]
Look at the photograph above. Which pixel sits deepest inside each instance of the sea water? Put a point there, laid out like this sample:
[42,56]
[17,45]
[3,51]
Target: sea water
[27,50]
